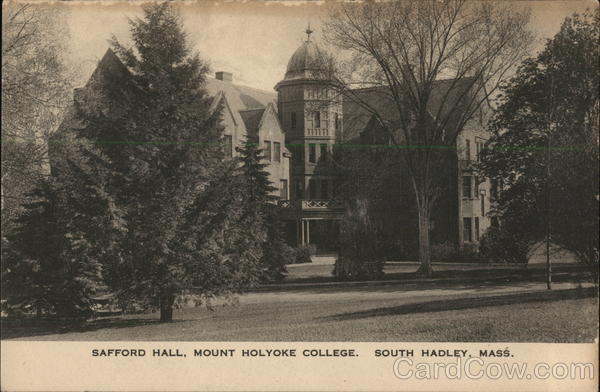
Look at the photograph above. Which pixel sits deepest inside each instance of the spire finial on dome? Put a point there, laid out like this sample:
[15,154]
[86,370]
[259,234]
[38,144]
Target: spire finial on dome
[308,32]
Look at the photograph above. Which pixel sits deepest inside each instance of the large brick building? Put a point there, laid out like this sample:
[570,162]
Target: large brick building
[315,120]
[298,128]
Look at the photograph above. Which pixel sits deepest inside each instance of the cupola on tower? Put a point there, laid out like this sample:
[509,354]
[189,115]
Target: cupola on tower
[311,116]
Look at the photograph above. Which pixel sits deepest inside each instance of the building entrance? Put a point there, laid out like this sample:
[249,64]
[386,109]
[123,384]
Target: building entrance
[321,233]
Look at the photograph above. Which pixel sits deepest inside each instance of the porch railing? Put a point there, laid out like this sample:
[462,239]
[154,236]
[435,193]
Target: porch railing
[312,204]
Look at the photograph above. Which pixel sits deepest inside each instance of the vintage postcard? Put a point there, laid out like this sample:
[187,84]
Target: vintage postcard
[300,195]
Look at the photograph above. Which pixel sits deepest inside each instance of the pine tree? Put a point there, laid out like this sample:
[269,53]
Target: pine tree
[262,213]
[173,200]
[47,264]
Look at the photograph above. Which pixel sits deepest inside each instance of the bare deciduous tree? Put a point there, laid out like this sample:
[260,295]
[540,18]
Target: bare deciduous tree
[403,49]
[35,92]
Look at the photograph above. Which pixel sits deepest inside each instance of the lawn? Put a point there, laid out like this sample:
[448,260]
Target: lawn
[492,307]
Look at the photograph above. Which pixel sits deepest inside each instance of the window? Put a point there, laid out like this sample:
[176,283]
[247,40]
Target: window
[468,150]
[324,121]
[325,189]
[293,119]
[228,145]
[312,189]
[299,189]
[277,151]
[267,150]
[323,151]
[476,229]
[482,205]
[467,235]
[479,149]
[337,122]
[476,185]
[467,187]
[317,120]
[283,189]
[312,153]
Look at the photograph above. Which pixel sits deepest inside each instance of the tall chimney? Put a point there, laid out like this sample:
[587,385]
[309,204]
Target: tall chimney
[224,76]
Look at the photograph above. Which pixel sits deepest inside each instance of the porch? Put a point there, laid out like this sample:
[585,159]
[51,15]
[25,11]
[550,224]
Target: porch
[314,222]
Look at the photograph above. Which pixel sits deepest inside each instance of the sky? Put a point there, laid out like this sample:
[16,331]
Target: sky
[253,40]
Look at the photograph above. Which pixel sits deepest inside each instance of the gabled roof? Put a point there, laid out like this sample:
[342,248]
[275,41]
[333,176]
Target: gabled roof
[254,119]
[357,117]
[241,97]
[235,98]
[109,66]
[220,98]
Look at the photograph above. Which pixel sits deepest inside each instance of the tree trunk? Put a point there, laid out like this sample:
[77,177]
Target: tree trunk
[424,248]
[166,307]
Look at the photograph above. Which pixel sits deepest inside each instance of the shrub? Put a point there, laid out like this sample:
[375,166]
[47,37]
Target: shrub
[300,255]
[497,245]
[445,252]
[469,253]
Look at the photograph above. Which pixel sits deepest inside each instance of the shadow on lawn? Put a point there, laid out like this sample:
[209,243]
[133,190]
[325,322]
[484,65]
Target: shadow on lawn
[467,303]
[448,272]
[446,280]
[14,332]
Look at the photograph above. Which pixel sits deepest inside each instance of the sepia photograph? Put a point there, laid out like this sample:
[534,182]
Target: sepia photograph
[303,171]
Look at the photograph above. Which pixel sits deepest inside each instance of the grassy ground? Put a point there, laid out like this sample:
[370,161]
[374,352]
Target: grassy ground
[460,304]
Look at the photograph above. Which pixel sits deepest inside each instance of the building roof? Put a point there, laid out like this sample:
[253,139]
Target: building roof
[235,98]
[356,116]
[304,60]
[244,103]
[109,66]
[356,105]
[241,97]
[252,119]
[238,97]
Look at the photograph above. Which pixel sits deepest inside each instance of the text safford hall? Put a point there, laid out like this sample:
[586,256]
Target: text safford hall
[168,352]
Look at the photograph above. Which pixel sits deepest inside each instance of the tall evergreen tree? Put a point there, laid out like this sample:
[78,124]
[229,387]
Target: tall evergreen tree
[262,214]
[157,144]
[48,265]
[259,189]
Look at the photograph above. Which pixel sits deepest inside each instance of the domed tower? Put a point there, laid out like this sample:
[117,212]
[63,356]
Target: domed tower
[310,113]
